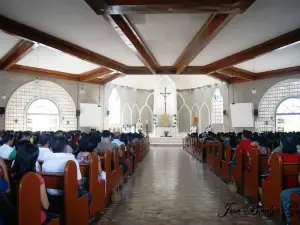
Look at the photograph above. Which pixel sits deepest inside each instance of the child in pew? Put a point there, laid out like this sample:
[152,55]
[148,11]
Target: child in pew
[285,199]
[86,146]
[288,152]
[25,162]
[57,163]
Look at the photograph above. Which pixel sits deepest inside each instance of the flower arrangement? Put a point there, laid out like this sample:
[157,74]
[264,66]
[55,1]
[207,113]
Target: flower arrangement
[166,133]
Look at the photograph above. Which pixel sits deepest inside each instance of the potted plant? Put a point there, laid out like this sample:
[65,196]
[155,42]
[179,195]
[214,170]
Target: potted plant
[166,133]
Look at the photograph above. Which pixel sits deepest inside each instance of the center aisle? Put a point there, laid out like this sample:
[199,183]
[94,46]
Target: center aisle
[171,187]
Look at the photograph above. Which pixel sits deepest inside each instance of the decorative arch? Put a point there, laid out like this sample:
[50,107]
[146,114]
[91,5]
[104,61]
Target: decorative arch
[282,90]
[25,95]
[126,121]
[114,105]
[184,119]
[145,116]
[135,114]
[148,97]
[197,113]
[204,122]
[217,107]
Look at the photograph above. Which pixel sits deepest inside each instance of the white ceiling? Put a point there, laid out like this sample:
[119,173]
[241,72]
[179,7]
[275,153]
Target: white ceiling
[278,59]
[167,35]
[51,59]
[264,20]
[7,42]
[73,21]
[149,82]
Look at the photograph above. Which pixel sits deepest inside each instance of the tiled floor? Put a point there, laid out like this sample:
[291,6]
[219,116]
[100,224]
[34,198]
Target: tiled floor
[171,187]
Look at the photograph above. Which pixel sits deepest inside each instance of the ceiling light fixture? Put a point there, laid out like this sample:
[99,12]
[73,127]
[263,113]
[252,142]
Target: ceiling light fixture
[4,96]
[82,91]
[170,9]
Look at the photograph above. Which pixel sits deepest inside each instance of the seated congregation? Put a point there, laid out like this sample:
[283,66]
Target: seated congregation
[264,168]
[64,178]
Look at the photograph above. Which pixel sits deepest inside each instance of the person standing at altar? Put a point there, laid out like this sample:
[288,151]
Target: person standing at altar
[124,129]
[139,126]
[193,130]
[128,129]
[132,129]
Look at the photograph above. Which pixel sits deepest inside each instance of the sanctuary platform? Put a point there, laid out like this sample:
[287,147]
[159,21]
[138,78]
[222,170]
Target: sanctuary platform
[166,140]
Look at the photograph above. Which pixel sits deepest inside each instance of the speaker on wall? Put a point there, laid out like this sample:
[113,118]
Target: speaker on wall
[107,112]
[224,112]
[2,110]
[77,113]
[256,112]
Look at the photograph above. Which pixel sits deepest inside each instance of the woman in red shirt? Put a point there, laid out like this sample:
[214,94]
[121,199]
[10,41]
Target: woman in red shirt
[25,162]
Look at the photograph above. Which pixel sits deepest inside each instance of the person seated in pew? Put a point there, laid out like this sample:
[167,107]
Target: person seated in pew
[209,137]
[4,178]
[86,146]
[106,144]
[285,199]
[24,138]
[6,149]
[71,145]
[232,144]
[44,149]
[25,162]
[289,154]
[262,145]
[57,163]
[226,139]
[245,145]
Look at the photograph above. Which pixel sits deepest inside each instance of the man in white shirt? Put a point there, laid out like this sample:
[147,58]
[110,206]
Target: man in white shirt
[193,130]
[124,130]
[132,129]
[45,152]
[139,126]
[6,149]
[57,163]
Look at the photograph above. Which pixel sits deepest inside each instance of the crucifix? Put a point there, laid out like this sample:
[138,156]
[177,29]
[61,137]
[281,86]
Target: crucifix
[165,95]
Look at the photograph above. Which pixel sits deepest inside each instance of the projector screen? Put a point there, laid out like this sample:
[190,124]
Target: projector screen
[242,115]
[90,115]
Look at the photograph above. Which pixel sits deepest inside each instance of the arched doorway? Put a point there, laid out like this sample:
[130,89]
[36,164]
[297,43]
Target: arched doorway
[288,115]
[42,115]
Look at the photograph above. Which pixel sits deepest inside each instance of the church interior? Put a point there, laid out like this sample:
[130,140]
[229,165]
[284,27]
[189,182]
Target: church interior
[157,111]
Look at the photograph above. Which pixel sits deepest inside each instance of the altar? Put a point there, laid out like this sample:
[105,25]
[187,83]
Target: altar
[160,131]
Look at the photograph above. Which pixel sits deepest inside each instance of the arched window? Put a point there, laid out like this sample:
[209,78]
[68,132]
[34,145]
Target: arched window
[288,115]
[28,99]
[217,108]
[42,115]
[270,103]
[114,107]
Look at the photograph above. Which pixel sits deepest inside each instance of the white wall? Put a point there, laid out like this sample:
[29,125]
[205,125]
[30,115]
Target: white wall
[9,82]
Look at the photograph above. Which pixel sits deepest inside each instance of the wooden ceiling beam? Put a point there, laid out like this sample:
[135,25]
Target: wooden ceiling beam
[114,7]
[237,72]
[127,32]
[12,27]
[94,74]
[220,77]
[111,78]
[290,71]
[251,53]
[195,70]
[214,24]
[20,50]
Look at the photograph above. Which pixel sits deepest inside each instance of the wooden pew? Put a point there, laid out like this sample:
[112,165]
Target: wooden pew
[226,159]
[29,201]
[218,156]
[210,156]
[117,167]
[295,209]
[259,165]
[237,170]
[111,175]
[134,158]
[123,158]
[95,187]
[204,152]
[271,189]
[76,210]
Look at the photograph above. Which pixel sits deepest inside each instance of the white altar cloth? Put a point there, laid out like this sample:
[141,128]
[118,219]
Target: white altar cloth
[159,131]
